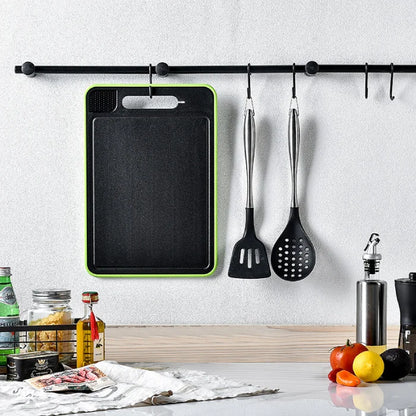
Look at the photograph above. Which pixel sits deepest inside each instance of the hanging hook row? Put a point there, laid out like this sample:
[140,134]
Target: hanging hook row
[392,97]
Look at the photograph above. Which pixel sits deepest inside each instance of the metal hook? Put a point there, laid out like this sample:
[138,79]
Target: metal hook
[248,82]
[366,79]
[249,101]
[294,81]
[150,81]
[391,81]
[294,99]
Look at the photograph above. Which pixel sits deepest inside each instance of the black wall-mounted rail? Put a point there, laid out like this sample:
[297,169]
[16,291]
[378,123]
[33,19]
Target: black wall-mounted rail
[162,69]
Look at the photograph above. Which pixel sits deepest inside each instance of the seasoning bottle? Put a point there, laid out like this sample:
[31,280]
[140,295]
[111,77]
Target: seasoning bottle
[371,301]
[9,316]
[90,333]
[406,296]
[51,307]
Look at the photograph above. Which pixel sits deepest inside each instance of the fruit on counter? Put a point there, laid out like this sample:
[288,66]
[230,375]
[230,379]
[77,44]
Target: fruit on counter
[347,378]
[333,374]
[343,356]
[368,366]
[397,364]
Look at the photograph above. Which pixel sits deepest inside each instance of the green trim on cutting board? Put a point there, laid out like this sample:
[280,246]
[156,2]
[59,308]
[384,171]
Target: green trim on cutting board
[215,181]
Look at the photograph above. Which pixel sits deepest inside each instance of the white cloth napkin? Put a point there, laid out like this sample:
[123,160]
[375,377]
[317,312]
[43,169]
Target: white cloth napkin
[135,387]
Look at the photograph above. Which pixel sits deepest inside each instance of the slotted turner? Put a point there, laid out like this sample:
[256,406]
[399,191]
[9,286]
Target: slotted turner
[293,255]
[249,259]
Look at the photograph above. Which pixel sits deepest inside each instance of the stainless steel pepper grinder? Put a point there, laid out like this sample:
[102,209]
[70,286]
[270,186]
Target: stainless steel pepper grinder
[372,301]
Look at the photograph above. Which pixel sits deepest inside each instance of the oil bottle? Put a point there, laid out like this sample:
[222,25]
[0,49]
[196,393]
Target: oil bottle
[371,301]
[90,333]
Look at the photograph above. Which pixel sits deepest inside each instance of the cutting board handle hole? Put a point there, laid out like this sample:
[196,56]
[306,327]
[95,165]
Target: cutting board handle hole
[140,102]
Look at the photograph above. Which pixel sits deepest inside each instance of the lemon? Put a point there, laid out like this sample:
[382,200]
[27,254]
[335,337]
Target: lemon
[368,366]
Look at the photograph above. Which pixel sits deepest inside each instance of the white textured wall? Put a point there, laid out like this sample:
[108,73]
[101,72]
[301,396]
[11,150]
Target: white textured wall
[357,167]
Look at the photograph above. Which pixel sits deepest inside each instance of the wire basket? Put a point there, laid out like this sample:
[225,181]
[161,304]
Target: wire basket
[27,338]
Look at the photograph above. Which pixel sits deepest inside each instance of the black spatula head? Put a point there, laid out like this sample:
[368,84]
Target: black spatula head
[249,259]
[293,255]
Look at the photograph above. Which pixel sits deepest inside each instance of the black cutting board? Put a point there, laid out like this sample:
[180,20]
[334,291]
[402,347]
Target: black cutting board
[151,188]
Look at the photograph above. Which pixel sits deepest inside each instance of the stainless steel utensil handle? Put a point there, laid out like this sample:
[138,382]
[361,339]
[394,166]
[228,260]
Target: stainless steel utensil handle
[249,149]
[294,141]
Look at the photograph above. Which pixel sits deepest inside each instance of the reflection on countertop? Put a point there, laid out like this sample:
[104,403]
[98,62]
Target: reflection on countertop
[377,398]
[304,390]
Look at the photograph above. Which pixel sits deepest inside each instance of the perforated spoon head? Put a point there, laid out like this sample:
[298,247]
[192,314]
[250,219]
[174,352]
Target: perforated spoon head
[293,255]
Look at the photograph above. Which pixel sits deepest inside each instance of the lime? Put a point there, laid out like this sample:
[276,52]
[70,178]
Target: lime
[368,366]
[397,364]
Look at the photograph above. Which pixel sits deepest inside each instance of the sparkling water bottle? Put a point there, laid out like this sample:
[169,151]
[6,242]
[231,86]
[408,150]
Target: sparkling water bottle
[9,316]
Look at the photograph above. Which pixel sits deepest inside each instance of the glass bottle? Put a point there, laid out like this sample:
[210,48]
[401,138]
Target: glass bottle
[9,316]
[90,333]
[371,329]
[51,307]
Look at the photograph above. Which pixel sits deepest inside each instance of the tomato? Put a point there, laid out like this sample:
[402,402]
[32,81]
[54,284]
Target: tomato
[343,356]
[333,374]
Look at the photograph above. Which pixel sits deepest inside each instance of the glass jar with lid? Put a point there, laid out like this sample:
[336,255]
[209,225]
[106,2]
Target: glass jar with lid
[51,307]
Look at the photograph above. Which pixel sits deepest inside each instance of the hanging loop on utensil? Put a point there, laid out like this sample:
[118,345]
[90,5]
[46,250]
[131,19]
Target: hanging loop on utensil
[294,99]
[150,81]
[249,101]
[391,81]
[248,82]
[366,80]
[294,81]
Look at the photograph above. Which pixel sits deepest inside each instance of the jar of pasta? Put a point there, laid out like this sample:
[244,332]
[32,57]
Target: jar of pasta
[51,307]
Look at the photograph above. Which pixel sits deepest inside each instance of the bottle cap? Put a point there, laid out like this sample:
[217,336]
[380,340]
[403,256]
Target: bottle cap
[371,257]
[51,294]
[411,280]
[5,271]
[370,251]
[90,297]
[406,292]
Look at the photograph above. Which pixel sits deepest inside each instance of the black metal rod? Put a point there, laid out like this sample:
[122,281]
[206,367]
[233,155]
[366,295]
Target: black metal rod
[310,68]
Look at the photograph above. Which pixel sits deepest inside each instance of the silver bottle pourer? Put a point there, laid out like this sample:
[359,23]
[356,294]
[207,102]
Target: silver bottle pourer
[371,257]
[371,299]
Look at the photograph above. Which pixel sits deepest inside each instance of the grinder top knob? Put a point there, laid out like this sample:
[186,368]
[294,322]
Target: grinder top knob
[406,296]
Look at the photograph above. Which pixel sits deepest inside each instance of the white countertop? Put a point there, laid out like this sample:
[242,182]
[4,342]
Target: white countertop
[304,390]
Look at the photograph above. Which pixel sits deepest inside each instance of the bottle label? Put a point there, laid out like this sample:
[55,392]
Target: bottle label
[98,353]
[9,340]
[7,296]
